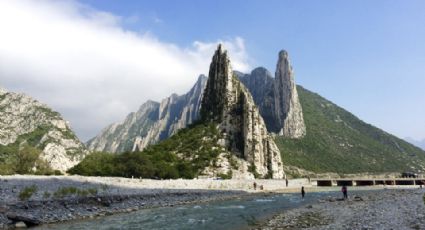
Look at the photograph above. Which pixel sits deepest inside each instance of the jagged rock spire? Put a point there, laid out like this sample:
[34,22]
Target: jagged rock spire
[288,111]
[227,102]
[219,83]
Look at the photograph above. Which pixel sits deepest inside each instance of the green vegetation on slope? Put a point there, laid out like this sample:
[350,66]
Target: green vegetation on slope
[183,155]
[337,141]
[22,157]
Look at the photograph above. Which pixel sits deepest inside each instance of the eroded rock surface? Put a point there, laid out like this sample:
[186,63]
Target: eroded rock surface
[228,102]
[151,123]
[27,121]
[260,84]
[288,111]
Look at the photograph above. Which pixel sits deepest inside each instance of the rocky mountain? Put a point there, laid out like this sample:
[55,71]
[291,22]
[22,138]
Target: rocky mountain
[277,98]
[316,135]
[228,102]
[261,85]
[288,111]
[151,123]
[27,122]
[229,138]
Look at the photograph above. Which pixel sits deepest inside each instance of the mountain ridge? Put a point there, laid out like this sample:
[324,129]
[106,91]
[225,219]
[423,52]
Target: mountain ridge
[154,121]
[333,147]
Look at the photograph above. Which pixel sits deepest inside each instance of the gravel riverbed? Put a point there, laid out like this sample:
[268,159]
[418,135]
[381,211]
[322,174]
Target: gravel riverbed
[380,209]
[27,201]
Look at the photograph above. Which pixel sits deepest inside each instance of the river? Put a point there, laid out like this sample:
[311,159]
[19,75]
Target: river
[230,214]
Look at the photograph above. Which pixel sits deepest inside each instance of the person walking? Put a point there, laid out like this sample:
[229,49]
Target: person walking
[302,192]
[344,191]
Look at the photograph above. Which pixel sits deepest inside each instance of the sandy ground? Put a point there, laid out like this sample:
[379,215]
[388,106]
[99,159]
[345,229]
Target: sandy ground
[380,209]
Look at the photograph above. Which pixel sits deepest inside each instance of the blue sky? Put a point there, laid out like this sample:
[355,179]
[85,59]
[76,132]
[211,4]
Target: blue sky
[366,56]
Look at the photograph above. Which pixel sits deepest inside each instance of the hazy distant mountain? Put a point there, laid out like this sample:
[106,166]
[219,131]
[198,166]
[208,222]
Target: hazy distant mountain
[153,122]
[420,144]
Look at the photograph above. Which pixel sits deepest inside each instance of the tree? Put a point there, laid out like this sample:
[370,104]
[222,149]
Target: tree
[26,159]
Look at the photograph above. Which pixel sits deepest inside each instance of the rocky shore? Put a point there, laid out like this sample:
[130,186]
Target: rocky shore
[379,209]
[27,201]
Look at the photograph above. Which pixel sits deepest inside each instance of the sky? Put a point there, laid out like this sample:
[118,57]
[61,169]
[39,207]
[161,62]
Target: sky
[95,61]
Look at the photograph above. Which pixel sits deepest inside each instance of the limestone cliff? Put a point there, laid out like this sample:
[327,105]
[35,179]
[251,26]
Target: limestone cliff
[227,102]
[288,109]
[151,123]
[25,121]
[260,84]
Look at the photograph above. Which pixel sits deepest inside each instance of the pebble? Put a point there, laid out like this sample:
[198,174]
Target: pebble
[20,224]
[383,209]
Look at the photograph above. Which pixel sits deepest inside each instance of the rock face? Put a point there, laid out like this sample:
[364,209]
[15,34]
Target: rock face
[227,102]
[157,121]
[288,111]
[277,98]
[151,123]
[260,84]
[27,121]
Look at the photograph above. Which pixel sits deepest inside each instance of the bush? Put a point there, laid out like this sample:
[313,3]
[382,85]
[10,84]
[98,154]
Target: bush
[16,159]
[27,192]
[226,176]
[46,195]
[26,159]
[69,191]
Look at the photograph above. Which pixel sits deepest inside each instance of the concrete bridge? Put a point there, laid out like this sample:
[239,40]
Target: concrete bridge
[368,182]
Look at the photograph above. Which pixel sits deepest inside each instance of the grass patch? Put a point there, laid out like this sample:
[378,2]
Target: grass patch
[73,191]
[27,192]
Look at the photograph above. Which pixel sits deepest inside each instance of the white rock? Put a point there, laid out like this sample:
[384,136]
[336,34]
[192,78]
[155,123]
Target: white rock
[151,123]
[288,109]
[227,102]
[21,114]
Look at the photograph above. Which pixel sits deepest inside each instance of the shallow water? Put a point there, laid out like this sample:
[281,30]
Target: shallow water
[230,214]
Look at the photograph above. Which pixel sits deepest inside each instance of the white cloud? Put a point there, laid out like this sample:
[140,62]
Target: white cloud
[81,62]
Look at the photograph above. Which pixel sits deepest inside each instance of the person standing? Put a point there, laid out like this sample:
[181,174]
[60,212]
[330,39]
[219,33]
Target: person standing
[287,182]
[302,192]
[344,191]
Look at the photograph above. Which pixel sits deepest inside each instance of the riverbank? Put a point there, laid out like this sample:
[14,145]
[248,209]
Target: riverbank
[34,200]
[383,209]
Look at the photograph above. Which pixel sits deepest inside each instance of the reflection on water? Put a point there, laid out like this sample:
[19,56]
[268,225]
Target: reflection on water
[231,214]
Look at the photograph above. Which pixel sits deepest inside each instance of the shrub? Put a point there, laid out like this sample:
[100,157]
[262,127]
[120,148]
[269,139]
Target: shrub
[226,176]
[46,195]
[27,192]
[26,159]
[69,191]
